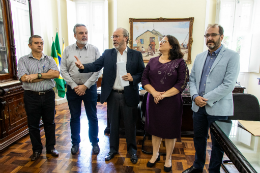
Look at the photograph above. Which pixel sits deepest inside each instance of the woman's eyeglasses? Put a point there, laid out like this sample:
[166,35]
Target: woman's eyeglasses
[163,41]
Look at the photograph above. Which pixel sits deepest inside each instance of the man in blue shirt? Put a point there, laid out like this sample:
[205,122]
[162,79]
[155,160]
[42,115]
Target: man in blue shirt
[212,80]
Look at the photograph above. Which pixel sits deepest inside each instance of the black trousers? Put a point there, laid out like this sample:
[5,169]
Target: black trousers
[116,107]
[37,106]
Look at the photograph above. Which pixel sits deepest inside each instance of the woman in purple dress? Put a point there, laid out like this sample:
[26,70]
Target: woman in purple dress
[165,77]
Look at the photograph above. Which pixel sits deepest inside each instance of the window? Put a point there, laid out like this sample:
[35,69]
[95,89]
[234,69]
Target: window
[236,18]
[94,14]
[21,27]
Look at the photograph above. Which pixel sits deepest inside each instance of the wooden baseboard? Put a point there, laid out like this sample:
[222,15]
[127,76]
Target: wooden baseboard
[5,142]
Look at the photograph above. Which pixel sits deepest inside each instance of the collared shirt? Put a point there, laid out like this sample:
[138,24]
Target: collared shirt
[70,72]
[120,58]
[30,65]
[206,69]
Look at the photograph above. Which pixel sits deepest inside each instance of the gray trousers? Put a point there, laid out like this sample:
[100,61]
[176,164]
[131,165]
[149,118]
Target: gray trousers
[116,108]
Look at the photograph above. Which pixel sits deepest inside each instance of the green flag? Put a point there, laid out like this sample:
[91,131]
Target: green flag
[60,85]
[57,45]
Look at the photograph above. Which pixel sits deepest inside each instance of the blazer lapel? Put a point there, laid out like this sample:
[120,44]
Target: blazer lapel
[220,55]
[201,66]
[129,59]
[114,59]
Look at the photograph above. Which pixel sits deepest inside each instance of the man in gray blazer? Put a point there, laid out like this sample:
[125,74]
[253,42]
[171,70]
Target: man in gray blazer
[212,80]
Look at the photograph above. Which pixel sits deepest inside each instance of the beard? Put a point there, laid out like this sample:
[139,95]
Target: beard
[215,44]
[82,42]
[119,44]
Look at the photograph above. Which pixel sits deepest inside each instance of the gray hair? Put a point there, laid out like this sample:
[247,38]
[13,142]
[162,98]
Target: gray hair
[125,34]
[77,25]
[220,28]
[34,36]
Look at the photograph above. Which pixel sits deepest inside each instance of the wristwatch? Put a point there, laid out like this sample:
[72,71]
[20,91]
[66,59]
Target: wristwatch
[39,75]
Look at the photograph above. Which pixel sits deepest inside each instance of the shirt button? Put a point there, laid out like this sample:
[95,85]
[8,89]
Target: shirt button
[206,75]
[211,58]
[204,84]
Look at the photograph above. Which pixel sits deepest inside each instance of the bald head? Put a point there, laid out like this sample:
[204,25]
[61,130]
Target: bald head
[120,39]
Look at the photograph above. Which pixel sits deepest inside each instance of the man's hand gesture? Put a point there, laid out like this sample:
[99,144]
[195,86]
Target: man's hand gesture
[78,63]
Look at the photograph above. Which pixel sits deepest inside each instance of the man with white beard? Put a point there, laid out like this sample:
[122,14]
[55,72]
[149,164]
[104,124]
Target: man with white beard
[122,100]
[81,87]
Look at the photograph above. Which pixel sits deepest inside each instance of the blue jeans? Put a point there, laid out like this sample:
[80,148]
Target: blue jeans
[90,102]
[201,124]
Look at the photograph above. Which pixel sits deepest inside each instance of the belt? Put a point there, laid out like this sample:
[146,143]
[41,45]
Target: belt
[39,92]
[118,91]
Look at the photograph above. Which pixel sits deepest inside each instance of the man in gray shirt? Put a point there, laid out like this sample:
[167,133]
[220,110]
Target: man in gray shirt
[81,87]
[37,72]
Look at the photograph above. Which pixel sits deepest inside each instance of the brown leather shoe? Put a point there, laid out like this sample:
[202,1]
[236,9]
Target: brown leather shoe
[53,152]
[35,155]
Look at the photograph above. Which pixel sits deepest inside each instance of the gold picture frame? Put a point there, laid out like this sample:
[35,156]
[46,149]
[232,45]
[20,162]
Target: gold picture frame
[145,35]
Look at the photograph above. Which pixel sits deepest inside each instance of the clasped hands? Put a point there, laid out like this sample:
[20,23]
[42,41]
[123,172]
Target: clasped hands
[200,101]
[158,96]
[80,90]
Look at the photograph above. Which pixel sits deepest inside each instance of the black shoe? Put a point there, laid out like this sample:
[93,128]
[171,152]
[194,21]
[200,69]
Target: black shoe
[95,148]
[134,158]
[192,169]
[53,152]
[167,169]
[35,155]
[149,164]
[110,156]
[74,149]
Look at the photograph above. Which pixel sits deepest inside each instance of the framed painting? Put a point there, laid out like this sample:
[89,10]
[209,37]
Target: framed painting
[145,35]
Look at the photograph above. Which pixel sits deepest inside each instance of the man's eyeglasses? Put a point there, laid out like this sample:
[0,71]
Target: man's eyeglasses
[163,41]
[115,36]
[212,35]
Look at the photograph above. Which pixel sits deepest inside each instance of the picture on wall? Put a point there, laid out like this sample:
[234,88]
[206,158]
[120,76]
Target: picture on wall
[145,35]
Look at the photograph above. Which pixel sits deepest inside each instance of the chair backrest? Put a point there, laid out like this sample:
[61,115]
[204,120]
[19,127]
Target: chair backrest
[246,107]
